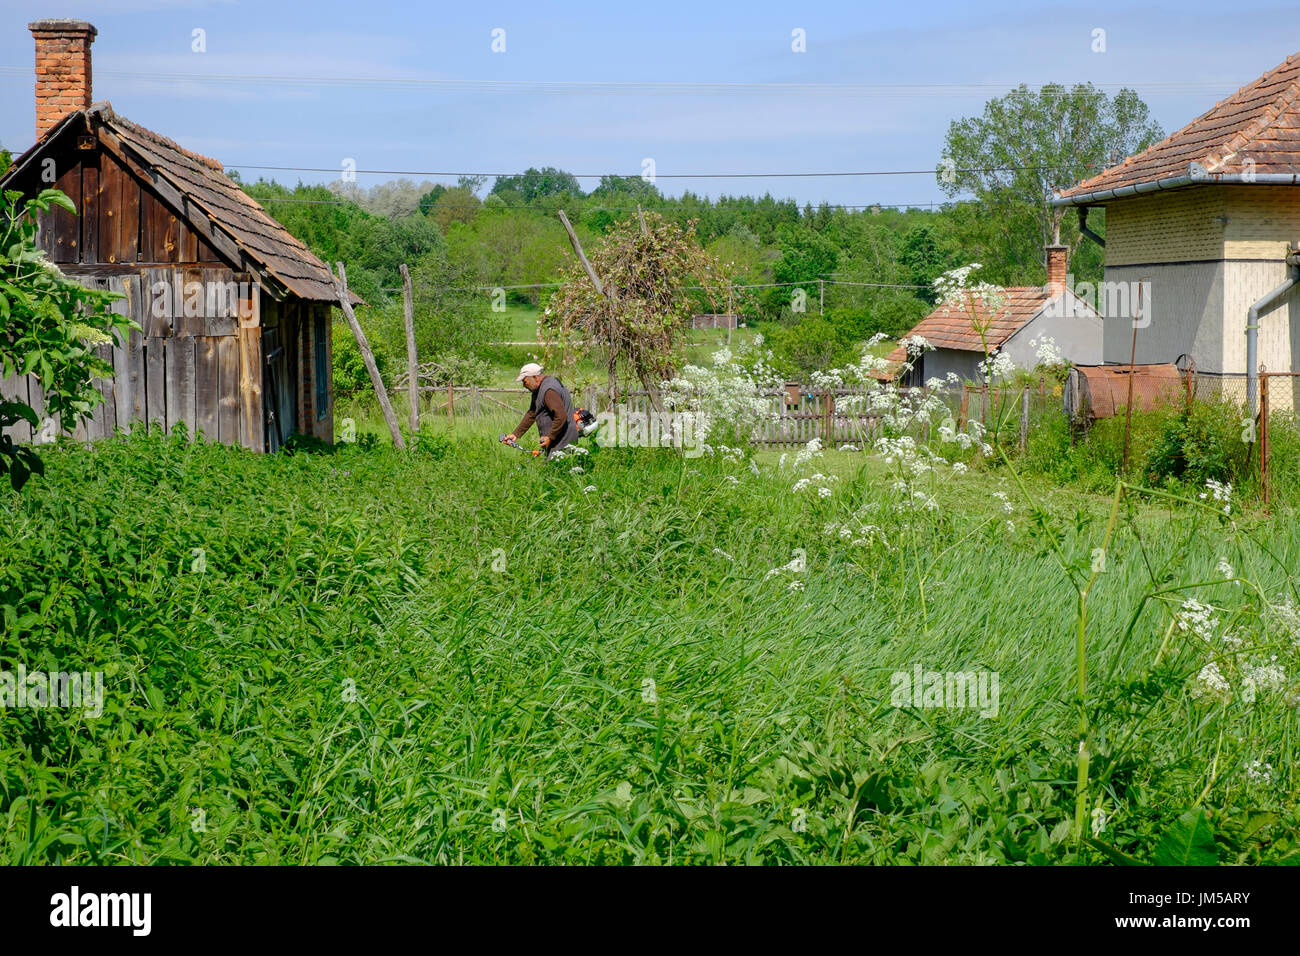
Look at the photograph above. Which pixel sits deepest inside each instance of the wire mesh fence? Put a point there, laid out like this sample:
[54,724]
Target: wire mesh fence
[1279,436]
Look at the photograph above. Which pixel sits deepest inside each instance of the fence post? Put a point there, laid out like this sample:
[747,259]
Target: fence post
[1263,436]
[412,362]
[1024,419]
[965,405]
[473,402]
[451,402]
[828,422]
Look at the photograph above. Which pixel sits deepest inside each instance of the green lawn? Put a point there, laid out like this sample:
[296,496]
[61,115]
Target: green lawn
[462,654]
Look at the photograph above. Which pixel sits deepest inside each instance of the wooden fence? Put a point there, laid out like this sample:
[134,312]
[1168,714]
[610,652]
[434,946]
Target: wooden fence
[798,415]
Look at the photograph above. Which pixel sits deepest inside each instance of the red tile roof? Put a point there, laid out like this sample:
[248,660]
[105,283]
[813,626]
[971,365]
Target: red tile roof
[950,327]
[1260,122]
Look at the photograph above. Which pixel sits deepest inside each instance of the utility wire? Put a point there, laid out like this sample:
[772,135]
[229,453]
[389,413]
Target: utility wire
[800,175]
[628,209]
[635,87]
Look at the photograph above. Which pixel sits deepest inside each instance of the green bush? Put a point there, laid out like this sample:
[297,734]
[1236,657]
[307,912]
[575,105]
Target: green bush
[350,373]
[807,345]
[1200,444]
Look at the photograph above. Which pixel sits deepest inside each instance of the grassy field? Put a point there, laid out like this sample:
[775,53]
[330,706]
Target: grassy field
[523,319]
[459,654]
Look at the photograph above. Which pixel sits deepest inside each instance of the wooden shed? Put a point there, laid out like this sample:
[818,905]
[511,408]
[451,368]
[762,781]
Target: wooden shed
[235,313]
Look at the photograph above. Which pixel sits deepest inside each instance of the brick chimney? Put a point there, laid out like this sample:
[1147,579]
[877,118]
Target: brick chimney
[62,69]
[1057,263]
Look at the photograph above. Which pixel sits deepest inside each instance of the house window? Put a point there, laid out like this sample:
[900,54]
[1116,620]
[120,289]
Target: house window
[322,364]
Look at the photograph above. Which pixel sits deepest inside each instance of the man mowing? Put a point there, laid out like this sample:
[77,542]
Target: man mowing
[551,409]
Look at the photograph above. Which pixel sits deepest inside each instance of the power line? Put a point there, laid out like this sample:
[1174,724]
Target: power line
[480,206]
[800,175]
[635,87]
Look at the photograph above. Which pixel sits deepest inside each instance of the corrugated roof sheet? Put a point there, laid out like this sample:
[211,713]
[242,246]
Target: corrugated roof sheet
[1260,122]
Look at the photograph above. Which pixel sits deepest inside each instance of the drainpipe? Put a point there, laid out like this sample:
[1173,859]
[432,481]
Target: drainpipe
[1083,227]
[1252,326]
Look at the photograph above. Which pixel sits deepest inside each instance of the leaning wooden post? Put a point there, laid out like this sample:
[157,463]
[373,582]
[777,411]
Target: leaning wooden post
[341,287]
[965,405]
[412,368]
[609,305]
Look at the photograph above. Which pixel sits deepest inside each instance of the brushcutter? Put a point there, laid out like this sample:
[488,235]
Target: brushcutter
[509,441]
[586,422]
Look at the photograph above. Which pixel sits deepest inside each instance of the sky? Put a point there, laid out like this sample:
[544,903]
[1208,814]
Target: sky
[418,88]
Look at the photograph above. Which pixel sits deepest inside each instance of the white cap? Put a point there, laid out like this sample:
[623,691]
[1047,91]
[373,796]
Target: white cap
[532,368]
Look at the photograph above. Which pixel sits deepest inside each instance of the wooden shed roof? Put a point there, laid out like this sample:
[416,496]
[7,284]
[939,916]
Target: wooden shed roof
[212,203]
[1259,123]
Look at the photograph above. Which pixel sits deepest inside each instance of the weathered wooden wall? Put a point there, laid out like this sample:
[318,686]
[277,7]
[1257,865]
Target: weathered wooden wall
[200,370]
[119,221]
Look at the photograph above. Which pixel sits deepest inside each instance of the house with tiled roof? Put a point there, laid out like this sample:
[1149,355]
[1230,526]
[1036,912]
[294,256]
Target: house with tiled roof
[1025,316]
[235,337]
[1208,218]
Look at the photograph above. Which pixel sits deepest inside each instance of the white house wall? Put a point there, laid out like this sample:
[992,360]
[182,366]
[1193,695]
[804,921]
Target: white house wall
[1078,336]
[1185,315]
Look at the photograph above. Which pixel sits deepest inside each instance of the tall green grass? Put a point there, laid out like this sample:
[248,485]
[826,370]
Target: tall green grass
[464,655]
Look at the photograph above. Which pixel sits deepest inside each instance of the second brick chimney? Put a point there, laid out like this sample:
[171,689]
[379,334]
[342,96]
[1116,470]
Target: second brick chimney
[62,69]
[1057,263]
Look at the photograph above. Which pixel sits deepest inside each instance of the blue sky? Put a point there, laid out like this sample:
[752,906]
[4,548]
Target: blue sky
[1181,58]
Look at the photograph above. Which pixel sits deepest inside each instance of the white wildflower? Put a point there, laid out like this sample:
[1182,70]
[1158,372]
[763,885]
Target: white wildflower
[1259,772]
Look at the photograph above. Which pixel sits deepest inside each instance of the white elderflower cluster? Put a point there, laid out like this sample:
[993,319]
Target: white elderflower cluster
[1240,667]
[818,482]
[807,453]
[1222,492]
[1259,773]
[997,365]
[1210,683]
[857,534]
[1046,352]
[1198,619]
[725,398]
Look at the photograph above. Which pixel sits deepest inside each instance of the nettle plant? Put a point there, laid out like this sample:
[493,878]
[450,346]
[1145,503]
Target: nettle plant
[51,328]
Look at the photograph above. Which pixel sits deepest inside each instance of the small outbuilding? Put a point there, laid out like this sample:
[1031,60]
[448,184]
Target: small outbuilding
[1028,314]
[235,313]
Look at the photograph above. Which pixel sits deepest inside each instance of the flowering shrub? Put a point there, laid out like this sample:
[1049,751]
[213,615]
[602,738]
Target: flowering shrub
[725,401]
